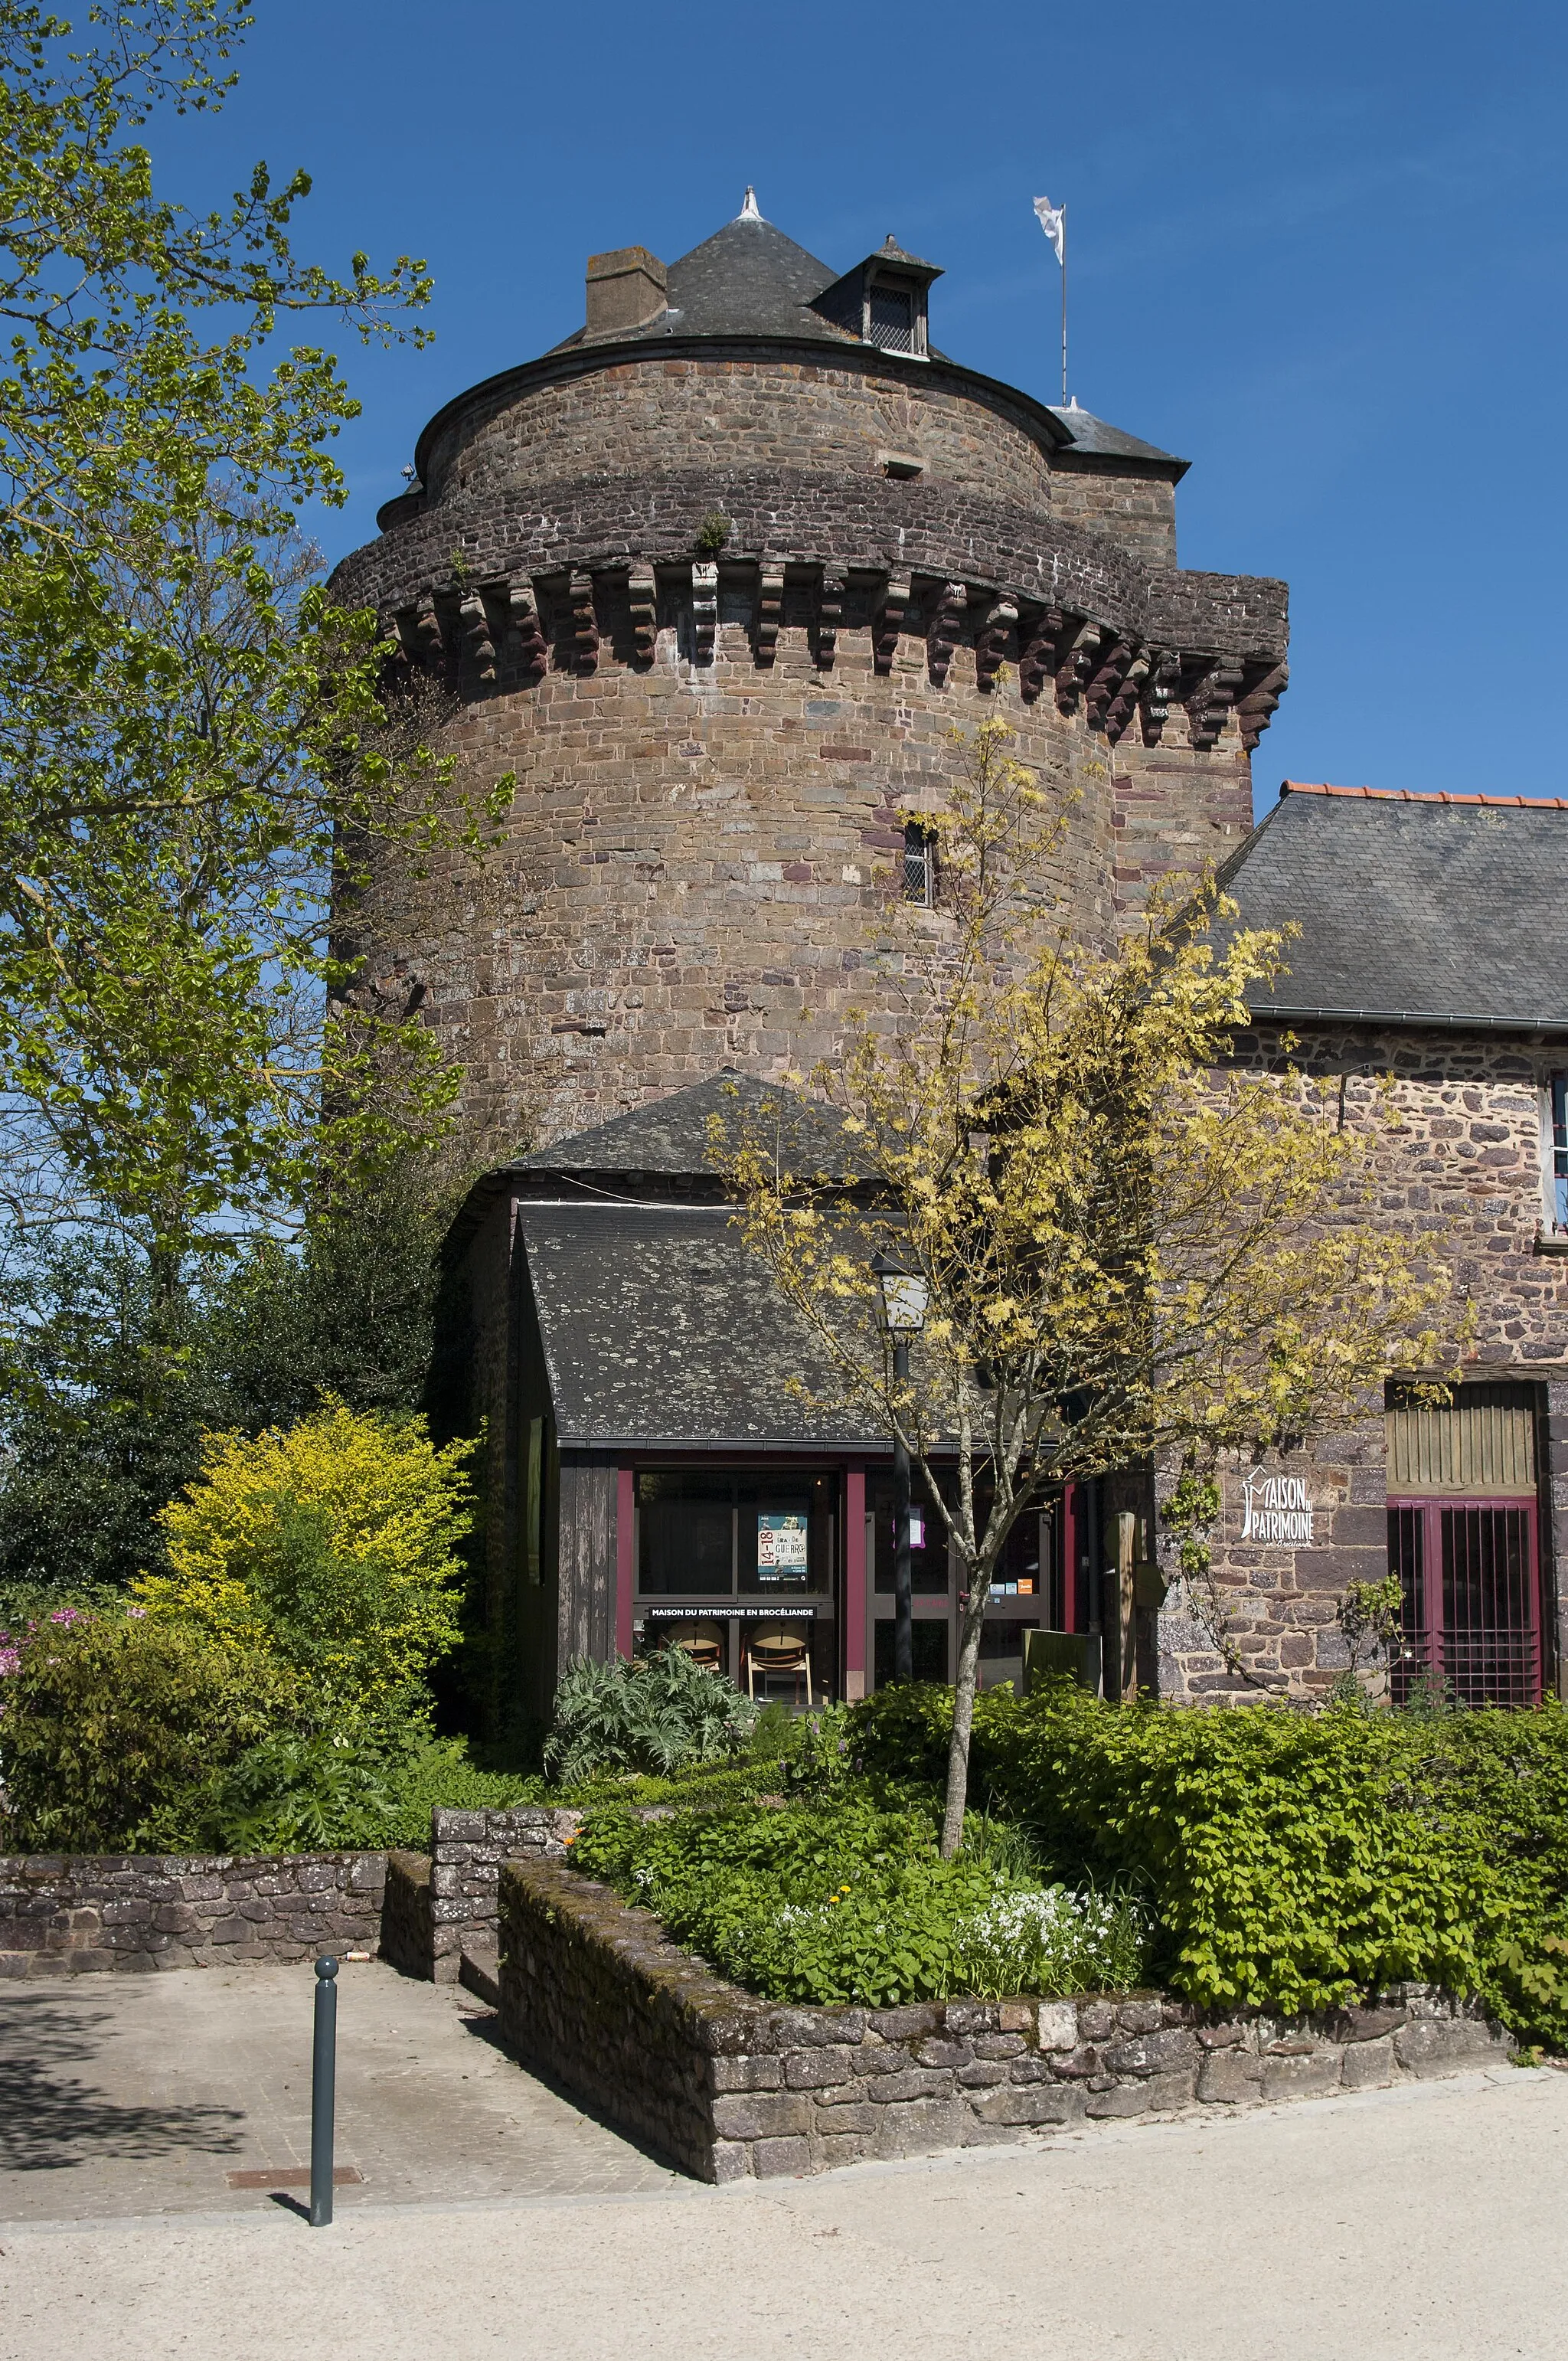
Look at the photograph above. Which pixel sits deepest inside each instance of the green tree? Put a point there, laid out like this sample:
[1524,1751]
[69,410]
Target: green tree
[190,732]
[114,1380]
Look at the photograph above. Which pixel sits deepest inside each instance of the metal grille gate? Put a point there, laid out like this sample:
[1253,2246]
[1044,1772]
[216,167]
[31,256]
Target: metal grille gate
[1472,1619]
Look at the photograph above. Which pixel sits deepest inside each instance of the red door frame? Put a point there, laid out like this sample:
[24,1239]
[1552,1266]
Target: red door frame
[1432,1508]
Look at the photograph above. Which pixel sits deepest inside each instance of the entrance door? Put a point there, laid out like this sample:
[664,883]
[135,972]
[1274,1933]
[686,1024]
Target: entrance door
[1462,1540]
[1471,1577]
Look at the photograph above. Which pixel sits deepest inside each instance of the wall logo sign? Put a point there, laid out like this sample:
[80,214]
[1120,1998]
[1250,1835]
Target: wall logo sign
[1276,1512]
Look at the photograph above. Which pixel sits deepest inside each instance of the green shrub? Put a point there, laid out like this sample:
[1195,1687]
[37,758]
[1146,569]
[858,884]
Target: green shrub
[442,1772]
[315,1794]
[654,1714]
[1052,1942]
[844,1902]
[772,1732]
[291,1793]
[1290,1860]
[333,1544]
[105,1720]
[700,1787]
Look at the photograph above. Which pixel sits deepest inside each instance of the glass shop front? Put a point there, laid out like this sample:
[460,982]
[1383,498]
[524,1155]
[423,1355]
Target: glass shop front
[1026,1590]
[741,1568]
[754,1572]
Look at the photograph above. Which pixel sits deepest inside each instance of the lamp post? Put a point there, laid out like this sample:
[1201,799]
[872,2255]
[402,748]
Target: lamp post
[903,1300]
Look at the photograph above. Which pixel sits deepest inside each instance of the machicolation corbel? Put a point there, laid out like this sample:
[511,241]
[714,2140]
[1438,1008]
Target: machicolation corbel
[830,616]
[1075,662]
[585,624]
[770,611]
[947,629]
[888,622]
[704,610]
[995,641]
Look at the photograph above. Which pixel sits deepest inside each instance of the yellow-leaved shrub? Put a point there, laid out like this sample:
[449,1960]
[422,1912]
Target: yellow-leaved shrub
[333,1544]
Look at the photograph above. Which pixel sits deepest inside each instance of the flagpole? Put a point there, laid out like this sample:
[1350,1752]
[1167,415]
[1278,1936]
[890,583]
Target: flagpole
[1064,307]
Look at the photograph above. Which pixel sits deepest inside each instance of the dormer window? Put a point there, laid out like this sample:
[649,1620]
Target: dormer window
[892,319]
[883,302]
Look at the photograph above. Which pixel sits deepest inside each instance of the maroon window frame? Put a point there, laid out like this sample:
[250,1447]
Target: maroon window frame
[1471,1572]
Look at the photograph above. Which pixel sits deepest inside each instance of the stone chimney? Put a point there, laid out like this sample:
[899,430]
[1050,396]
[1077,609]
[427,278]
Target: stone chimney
[626,290]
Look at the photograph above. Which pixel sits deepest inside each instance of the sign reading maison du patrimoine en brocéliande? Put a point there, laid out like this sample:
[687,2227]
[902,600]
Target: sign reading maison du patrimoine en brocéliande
[1276,1512]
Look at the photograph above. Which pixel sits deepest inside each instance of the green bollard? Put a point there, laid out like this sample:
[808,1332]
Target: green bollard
[323,2072]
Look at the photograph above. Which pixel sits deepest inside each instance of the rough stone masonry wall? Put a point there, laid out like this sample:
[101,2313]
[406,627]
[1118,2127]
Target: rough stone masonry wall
[657,413]
[82,1913]
[405,1934]
[728,2086]
[76,1914]
[1454,1123]
[699,866]
[468,1850]
[439,1900]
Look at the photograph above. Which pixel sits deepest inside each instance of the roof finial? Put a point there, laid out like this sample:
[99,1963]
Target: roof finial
[749,211]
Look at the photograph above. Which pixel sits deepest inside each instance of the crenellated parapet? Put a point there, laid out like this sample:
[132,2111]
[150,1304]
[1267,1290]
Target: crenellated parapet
[500,597]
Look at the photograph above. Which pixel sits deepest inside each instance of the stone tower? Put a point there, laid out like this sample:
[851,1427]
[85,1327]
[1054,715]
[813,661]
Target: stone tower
[717,577]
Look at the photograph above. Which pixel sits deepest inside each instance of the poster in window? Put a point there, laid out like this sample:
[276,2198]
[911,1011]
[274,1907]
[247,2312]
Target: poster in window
[780,1547]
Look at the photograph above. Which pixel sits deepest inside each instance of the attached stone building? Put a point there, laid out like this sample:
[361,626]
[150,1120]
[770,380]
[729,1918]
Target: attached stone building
[647,1446]
[1427,986]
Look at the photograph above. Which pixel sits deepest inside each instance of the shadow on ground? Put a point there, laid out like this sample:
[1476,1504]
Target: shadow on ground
[487,2028]
[50,2120]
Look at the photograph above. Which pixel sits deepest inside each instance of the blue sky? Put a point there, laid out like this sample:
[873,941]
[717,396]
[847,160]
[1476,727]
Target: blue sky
[1318,251]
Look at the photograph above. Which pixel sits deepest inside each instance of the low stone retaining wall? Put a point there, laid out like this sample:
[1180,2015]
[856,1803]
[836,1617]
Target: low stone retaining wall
[405,1913]
[80,1914]
[71,1914]
[728,2086]
[467,1853]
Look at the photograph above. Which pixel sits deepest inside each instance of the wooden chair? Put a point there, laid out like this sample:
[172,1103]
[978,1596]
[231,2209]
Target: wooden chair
[700,1649]
[778,1652]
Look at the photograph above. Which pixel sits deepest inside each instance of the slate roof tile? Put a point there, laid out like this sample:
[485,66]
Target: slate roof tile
[1413,906]
[661,1327]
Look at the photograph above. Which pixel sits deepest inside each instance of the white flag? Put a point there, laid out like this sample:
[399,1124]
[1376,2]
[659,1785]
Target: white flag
[1053,221]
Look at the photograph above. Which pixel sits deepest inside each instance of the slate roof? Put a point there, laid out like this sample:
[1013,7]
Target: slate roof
[1096,440]
[661,1150]
[1413,909]
[749,279]
[661,1327]
[670,1136]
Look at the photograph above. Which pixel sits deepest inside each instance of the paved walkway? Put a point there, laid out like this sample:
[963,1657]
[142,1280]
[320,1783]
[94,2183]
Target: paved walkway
[143,2094]
[1423,2223]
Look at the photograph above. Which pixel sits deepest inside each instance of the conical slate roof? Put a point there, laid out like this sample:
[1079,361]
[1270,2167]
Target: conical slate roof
[748,279]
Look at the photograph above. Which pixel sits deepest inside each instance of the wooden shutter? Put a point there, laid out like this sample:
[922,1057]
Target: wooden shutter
[1481,1445]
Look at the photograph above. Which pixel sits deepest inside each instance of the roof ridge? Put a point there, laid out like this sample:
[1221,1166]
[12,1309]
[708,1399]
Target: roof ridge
[1419,795]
